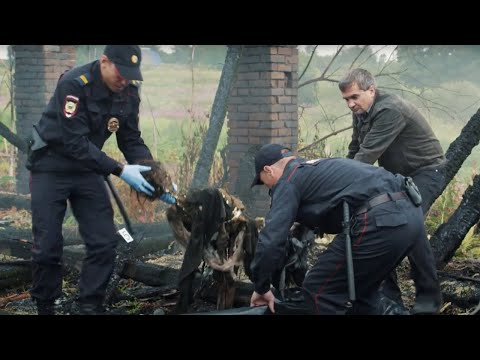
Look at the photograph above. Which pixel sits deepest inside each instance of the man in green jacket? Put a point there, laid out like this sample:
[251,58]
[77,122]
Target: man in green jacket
[391,130]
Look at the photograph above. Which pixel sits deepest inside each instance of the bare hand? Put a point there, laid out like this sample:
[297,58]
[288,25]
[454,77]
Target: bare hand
[265,299]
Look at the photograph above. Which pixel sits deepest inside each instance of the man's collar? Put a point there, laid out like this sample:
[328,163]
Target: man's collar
[286,172]
[364,116]
[370,107]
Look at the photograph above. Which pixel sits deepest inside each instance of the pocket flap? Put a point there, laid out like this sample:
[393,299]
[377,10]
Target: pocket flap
[93,107]
[390,220]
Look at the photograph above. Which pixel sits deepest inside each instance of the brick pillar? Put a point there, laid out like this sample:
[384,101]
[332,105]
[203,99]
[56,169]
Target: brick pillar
[262,109]
[37,69]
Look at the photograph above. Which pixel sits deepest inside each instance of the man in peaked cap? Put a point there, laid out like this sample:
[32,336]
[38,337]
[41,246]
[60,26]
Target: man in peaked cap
[267,156]
[90,103]
[386,224]
[127,60]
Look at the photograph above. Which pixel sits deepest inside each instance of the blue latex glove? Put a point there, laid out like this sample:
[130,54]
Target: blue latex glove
[168,198]
[131,174]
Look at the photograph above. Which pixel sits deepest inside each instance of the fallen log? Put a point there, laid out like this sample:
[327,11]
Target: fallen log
[149,292]
[149,274]
[15,273]
[18,248]
[19,201]
[73,255]
[156,237]
[462,293]
[19,273]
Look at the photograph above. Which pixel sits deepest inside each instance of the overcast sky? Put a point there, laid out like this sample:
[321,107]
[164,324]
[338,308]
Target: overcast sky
[331,49]
[3,51]
[321,50]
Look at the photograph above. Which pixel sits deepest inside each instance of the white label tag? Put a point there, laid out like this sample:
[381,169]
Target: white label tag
[125,234]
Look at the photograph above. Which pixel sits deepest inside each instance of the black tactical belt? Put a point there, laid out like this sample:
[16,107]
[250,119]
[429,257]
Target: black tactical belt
[380,199]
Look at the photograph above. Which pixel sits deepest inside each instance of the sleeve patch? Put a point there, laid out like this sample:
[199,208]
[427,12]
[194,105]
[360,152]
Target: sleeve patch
[70,106]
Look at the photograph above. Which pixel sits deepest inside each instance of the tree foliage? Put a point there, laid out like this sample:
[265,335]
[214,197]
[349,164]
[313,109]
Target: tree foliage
[432,65]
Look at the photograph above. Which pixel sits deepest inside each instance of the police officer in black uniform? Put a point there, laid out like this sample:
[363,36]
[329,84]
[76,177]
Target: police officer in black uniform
[90,103]
[385,226]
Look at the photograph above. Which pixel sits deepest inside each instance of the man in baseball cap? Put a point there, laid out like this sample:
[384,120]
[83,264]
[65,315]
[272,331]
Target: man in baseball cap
[268,155]
[127,59]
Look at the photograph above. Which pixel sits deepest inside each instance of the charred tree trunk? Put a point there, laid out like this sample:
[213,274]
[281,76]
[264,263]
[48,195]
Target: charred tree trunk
[460,149]
[450,235]
[462,146]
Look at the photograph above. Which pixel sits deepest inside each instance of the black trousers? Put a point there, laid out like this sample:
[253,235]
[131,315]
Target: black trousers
[93,211]
[381,238]
[422,262]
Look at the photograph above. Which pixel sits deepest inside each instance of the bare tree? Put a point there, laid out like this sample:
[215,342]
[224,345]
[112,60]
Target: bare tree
[330,73]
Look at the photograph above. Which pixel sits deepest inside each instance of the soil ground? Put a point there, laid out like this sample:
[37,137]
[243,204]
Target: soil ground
[17,301]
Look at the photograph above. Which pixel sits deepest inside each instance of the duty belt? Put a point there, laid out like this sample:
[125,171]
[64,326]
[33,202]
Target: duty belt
[380,199]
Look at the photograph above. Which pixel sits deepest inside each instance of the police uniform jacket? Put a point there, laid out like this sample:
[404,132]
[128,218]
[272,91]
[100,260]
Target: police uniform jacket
[310,192]
[81,115]
[396,134]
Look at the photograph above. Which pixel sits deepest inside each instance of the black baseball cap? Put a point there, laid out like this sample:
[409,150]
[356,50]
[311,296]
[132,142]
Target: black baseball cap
[127,59]
[268,155]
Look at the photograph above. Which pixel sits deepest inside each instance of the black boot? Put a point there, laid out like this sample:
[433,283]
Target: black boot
[427,305]
[45,307]
[91,309]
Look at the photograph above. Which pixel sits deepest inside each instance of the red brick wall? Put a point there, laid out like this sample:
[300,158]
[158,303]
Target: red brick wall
[37,69]
[262,109]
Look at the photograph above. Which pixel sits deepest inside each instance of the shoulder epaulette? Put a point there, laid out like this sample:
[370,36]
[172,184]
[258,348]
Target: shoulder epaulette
[84,79]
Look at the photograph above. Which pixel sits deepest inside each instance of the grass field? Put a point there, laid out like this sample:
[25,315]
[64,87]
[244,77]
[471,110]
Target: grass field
[175,99]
